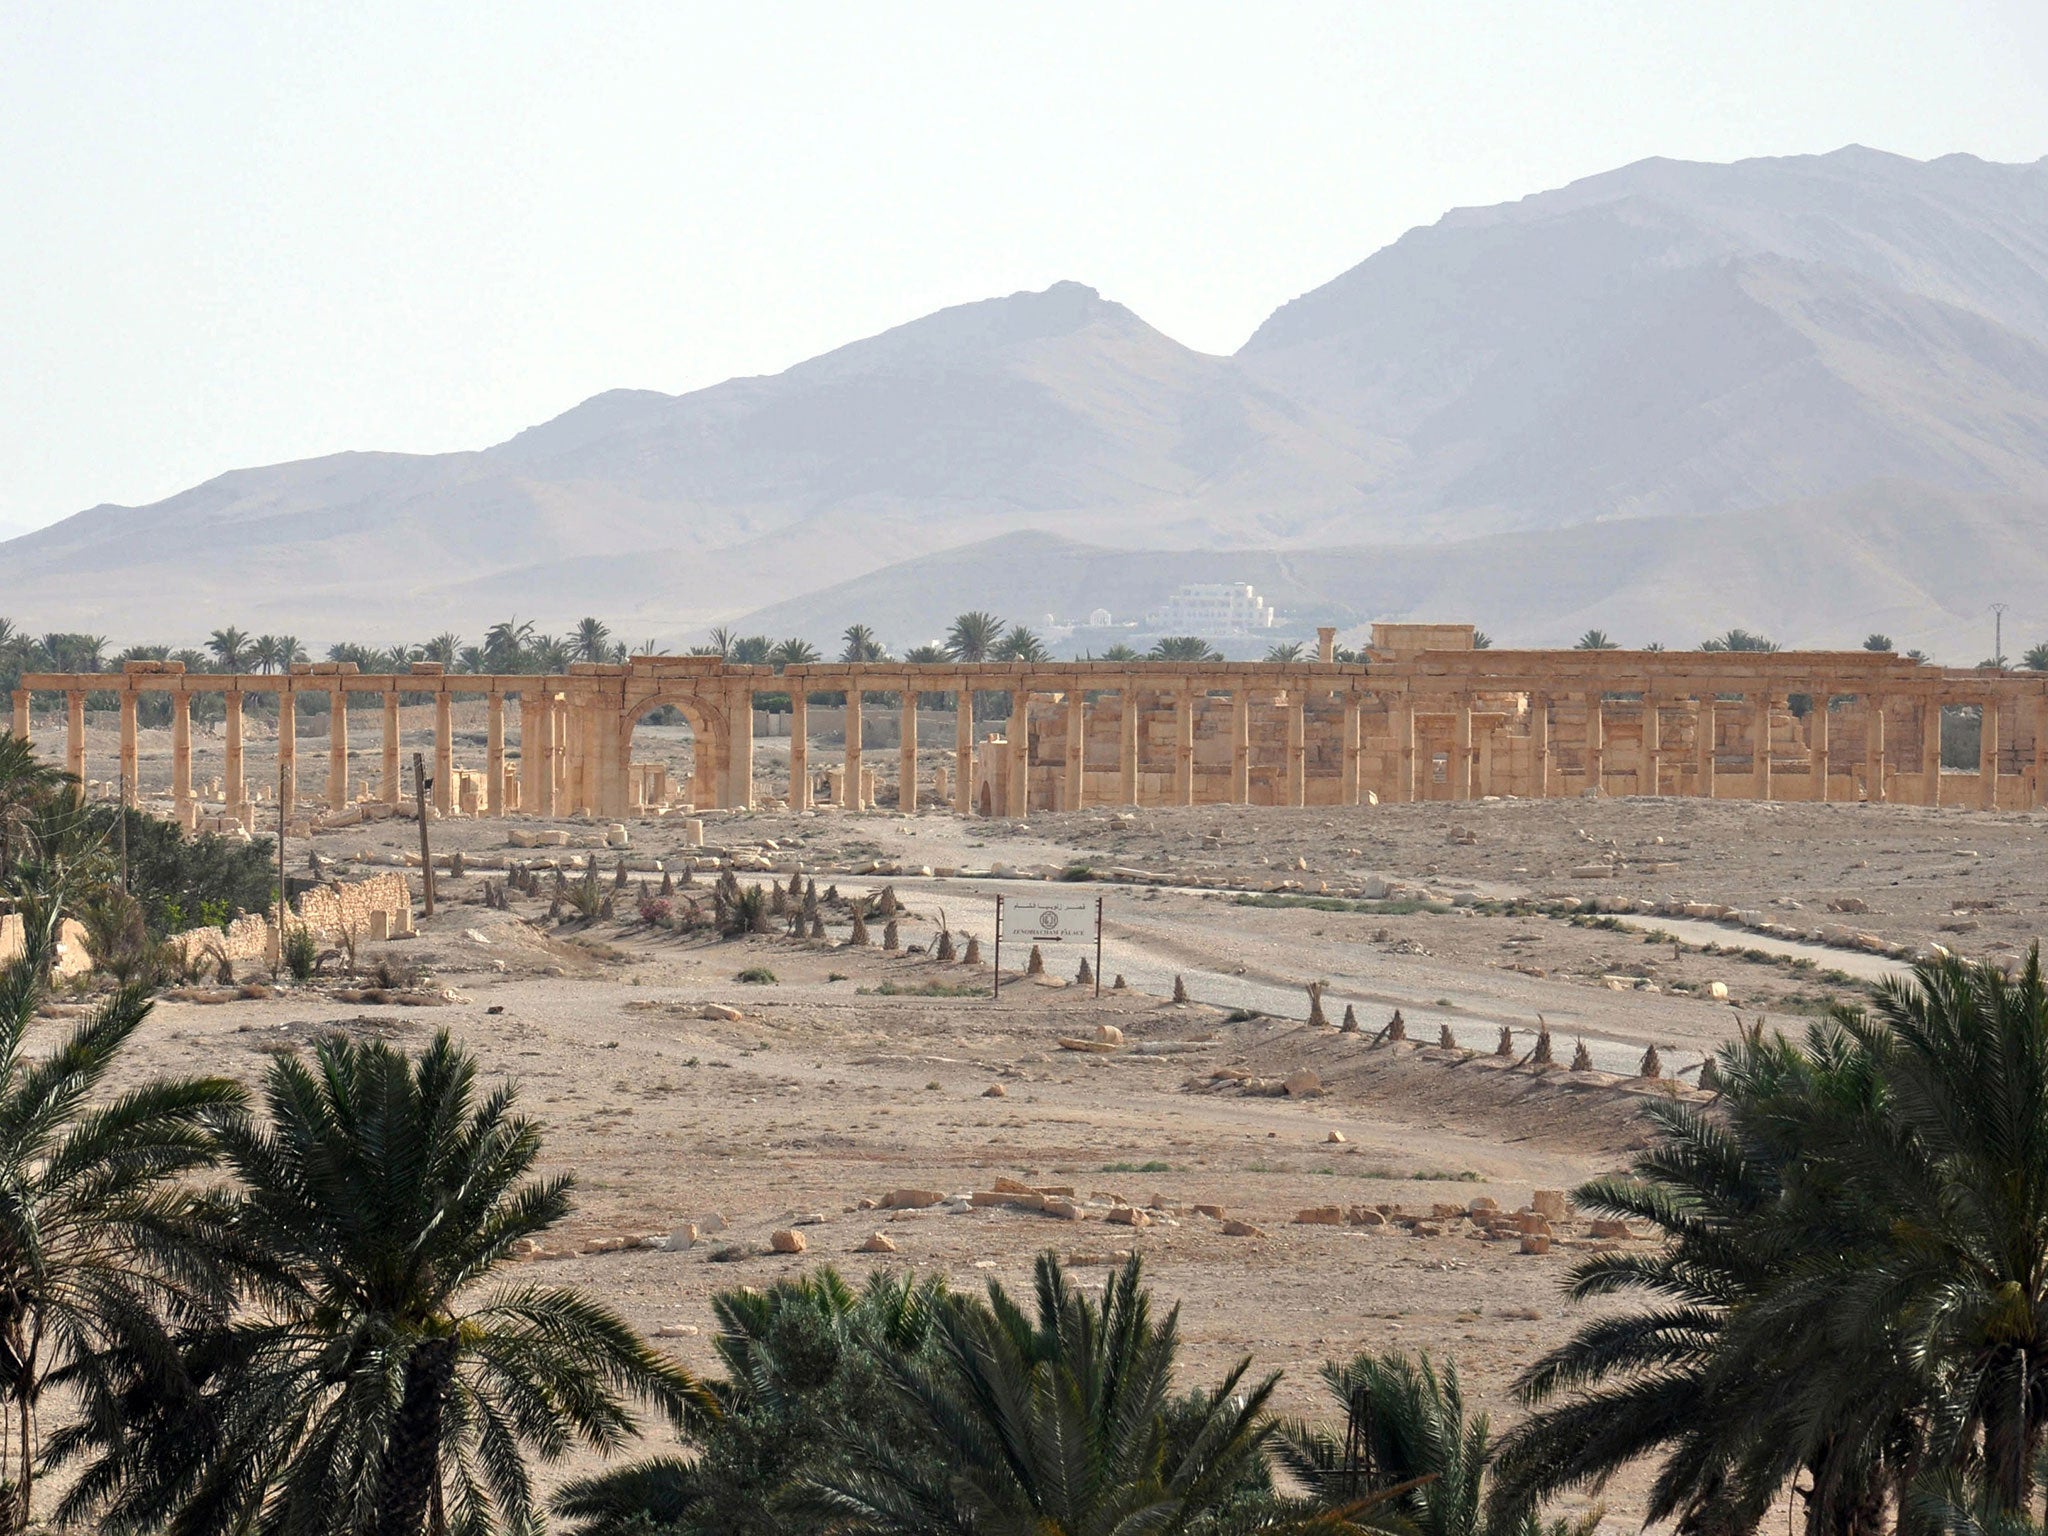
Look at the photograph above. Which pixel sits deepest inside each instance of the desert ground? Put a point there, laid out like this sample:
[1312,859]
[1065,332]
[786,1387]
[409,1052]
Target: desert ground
[678,1094]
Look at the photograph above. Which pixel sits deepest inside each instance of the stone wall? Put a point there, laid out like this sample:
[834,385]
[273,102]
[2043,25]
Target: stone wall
[73,958]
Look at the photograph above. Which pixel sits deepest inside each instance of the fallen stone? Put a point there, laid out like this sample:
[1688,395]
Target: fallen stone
[1241,1229]
[719,1011]
[1548,1202]
[787,1241]
[676,1331]
[1604,1227]
[1320,1216]
[682,1239]
[995,1091]
[876,1243]
[1336,1138]
[1535,1242]
[911,1199]
[1303,1084]
[1064,1209]
[1129,1216]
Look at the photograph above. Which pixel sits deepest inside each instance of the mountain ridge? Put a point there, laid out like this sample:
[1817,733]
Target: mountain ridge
[1666,340]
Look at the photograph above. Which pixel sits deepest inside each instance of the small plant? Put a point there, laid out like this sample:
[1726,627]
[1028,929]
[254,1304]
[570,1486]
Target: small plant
[1155,1166]
[301,954]
[757,975]
[837,976]
[656,911]
[1076,873]
[920,989]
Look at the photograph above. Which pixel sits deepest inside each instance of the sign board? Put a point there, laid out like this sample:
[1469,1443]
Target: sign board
[1032,921]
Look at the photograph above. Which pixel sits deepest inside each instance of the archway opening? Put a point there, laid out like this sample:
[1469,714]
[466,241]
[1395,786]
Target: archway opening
[668,760]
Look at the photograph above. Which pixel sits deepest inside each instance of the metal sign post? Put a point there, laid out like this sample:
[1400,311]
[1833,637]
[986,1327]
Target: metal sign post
[999,944]
[1051,921]
[1098,946]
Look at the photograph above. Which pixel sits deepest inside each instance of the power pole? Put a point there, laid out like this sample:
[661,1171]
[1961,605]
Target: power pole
[281,907]
[419,785]
[1998,635]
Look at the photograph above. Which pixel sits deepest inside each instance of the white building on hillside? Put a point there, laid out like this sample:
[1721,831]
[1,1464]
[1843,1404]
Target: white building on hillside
[1212,608]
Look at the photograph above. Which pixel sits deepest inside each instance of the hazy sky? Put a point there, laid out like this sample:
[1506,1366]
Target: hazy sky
[235,234]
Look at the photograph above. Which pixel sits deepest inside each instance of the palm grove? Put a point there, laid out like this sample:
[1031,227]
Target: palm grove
[297,1310]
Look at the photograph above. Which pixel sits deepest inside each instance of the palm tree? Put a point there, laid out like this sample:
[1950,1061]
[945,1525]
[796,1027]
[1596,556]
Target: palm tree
[368,1387]
[793,653]
[590,640]
[26,781]
[649,647]
[1595,640]
[1121,652]
[398,659]
[1020,644]
[551,655]
[804,1361]
[230,648]
[444,648]
[1877,642]
[97,1248]
[290,652]
[506,644]
[752,651]
[1183,648]
[1056,1423]
[861,644]
[718,643]
[471,659]
[1841,1298]
[1738,640]
[1481,640]
[264,652]
[973,636]
[2036,659]
[1404,1429]
[1289,651]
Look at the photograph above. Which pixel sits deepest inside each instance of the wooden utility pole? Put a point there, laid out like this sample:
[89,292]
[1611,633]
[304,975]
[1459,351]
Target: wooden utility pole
[278,955]
[419,785]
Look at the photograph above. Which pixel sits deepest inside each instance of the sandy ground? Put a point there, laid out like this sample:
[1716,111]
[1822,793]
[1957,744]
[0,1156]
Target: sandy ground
[825,1092]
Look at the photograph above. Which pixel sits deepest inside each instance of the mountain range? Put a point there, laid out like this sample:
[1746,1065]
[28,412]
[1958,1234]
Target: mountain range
[1808,395]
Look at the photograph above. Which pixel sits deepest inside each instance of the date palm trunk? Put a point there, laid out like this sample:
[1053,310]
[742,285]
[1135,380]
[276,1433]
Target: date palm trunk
[412,1457]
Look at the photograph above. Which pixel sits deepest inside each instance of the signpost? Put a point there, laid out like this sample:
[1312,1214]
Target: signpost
[1050,920]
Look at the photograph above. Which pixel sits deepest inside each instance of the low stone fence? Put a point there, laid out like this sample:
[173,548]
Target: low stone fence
[375,908]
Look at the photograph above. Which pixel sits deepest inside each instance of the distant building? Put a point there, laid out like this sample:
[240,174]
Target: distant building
[1099,619]
[1213,608]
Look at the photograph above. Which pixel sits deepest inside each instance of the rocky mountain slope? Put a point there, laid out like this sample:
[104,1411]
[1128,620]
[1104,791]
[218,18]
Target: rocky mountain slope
[1668,344]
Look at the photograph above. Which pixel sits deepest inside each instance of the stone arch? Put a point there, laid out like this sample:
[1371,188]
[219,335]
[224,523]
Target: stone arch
[709,727]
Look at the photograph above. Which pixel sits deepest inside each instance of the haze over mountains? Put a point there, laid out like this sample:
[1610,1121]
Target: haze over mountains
[1808,395]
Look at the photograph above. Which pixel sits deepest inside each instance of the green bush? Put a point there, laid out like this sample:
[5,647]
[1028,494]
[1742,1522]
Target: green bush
[181,881]
[758,975]
[301,954]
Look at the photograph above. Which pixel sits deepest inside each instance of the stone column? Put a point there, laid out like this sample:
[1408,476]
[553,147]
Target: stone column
[444,750]
[74,736]
[906,754]
[741,749]
[1653,746]
[1930,745]
[1873,747]
[494,755]
[21,702]
[1817,743]
[1347,792]
[287,748]
[1539,745]
[1987,754]
[800,748]
[558,753]
[1184,745]
[963,750]
[1127,745]
[1706,725]
[1077,748]
[1018,748]
[2040,750]
[181,753]
[1461,749]
[1596,742]
[337,748]
[529,741]
[236,778]
[540,717]
[130,757]
[1403,720]
[1760,725]
[1297,747]
[1240,746]
[394,775]
[850,798]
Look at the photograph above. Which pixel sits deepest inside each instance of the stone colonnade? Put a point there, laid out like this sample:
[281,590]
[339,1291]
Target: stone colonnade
[1426,717]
